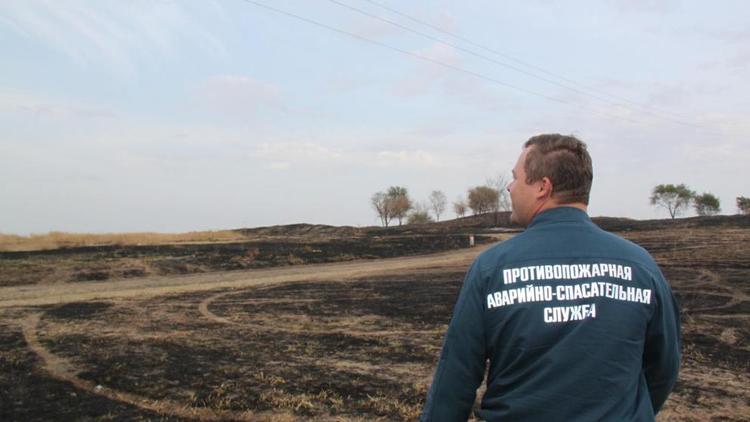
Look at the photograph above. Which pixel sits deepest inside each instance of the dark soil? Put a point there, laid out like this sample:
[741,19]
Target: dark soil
[98,263]
[28,394]
[78,310]
[428,302]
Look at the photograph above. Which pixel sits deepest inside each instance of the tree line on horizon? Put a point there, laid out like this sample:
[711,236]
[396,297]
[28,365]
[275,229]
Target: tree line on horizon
[396,204]
[676,199]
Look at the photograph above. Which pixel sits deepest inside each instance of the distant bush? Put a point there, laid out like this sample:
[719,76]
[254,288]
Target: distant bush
[743,205]
[419,217]
[706,204]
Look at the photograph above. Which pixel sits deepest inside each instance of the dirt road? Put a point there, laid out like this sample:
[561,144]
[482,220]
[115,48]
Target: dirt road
[154,286]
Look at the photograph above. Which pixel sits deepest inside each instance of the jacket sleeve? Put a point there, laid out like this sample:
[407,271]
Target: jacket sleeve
[462,361]
[661,353]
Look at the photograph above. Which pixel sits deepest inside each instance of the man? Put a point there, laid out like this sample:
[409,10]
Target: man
[577,323]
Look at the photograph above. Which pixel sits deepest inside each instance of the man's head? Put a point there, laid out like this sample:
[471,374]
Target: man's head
[553,170]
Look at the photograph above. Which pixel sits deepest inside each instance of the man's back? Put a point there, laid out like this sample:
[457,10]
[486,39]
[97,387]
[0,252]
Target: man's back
[578,324]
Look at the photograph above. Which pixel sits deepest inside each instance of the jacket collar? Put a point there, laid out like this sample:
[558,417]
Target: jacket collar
[558,214]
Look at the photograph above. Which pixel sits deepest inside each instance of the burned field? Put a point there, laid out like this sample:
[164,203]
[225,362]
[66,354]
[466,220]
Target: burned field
[355,349]
[108,262]
[349,348]
[709,270]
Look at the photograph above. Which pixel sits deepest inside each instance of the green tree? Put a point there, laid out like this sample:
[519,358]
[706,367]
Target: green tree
[743,205]
[674,198]
[706,204]
[483,199]
[400,204]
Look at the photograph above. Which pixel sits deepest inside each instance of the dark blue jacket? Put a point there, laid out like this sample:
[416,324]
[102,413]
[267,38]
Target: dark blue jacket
[577,324]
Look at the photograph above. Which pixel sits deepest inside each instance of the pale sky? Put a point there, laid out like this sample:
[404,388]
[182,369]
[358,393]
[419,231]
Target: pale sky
[170,116]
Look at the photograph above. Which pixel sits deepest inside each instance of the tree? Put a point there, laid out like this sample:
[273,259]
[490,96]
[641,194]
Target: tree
[438,202]
[459,207]
[419,217]
[743,205]
[400,203]
[483,199]
[500,183]
[675,198]
[382,204]
[706,204]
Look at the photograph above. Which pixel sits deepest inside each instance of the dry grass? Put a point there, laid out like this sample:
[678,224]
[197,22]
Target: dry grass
[55,240]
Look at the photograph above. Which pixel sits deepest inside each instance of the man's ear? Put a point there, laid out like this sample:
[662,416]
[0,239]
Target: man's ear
[544,188]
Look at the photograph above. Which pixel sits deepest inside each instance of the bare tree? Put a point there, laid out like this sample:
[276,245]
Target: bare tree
[459,207]
[500,184]
[483,199]
[400,203]
[438,201]
[382,204]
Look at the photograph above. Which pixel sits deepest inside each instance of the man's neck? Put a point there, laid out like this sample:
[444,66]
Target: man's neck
[554,204]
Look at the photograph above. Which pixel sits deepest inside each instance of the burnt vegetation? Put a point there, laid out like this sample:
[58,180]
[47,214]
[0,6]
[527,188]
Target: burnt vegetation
[100,263]
[361,348]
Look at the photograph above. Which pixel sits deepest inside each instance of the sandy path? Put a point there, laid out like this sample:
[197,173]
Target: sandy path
[154,286]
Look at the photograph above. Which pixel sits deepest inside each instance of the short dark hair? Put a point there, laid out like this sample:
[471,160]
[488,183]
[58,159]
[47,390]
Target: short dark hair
[567,163]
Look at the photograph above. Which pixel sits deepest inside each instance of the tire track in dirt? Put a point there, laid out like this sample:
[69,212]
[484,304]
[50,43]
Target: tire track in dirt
[157,286]
[734,295]
[61,369]
[203,309]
